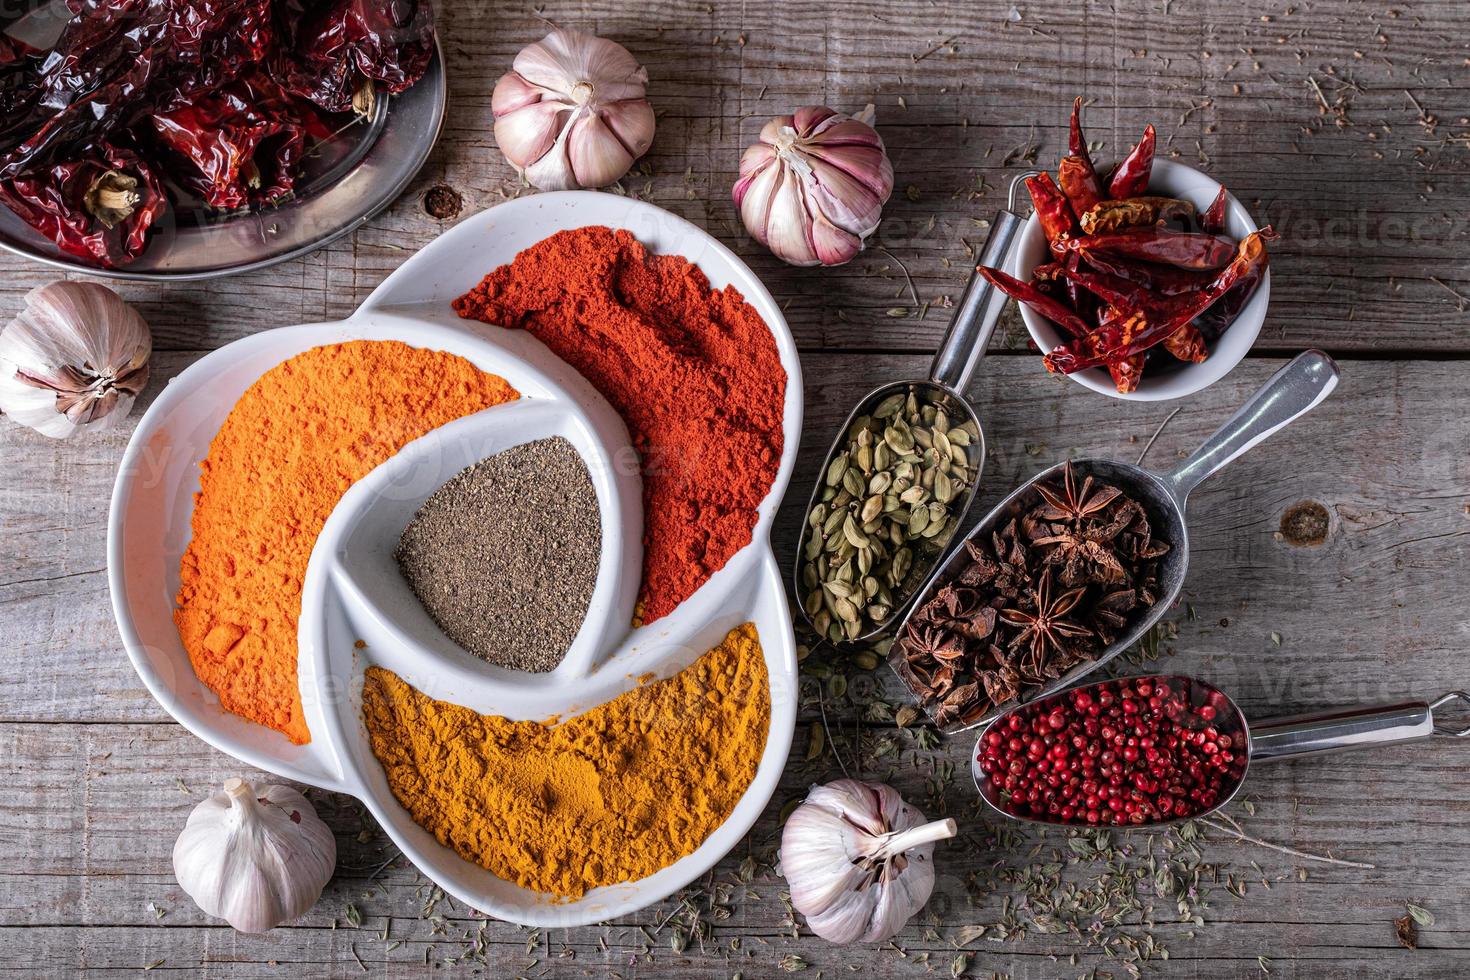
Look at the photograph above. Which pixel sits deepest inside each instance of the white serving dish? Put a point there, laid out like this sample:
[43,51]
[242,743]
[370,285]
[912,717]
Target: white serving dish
[1174,180]
[353,590]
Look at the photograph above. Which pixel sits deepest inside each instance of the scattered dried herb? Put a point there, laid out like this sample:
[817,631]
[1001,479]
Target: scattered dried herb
[1420,914]
[1407,932]
[1050,590]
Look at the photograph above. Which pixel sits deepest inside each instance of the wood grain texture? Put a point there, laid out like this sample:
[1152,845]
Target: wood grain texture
[1370,211]
[91,799]
[97,778]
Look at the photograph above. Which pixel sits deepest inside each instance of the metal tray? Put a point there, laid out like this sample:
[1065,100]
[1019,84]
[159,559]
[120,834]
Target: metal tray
[354,177]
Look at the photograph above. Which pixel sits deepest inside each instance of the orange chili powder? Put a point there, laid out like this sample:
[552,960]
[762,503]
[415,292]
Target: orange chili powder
[694,372]
[292,445]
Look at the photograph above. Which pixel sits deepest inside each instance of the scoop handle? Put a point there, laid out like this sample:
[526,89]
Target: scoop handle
[979,309]
[1340,730]
[1292,392]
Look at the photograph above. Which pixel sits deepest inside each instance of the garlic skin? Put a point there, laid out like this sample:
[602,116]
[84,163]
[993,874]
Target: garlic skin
[254,857]
[859,860]
[571,113]
[813,189]
[75,358]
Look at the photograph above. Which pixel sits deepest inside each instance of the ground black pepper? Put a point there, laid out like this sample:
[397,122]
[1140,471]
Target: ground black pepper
[504,556]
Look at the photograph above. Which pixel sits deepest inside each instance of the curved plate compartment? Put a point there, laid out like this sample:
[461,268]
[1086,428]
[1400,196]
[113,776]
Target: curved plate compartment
[353,590]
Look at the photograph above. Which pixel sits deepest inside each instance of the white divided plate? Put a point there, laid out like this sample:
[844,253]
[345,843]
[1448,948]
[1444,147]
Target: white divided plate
[353,590]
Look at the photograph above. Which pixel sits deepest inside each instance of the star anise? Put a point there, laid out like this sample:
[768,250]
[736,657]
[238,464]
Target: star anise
[1072,503]
[1072,548]
[933,642]
[958,603]
[978,624]
[1047,590]
[1002,684]
[1109,612]
[981,568]
[958,704]
[1046,629]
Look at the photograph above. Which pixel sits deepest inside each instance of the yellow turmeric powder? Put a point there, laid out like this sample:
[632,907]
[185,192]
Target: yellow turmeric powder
[295,441]
[612,795]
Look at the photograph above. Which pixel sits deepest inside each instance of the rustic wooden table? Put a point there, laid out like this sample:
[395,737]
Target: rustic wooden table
[1340,122]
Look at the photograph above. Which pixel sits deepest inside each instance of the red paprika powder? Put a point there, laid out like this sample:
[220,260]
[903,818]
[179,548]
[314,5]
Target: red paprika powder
[693,371]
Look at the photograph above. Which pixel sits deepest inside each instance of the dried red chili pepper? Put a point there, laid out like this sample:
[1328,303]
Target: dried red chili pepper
[1187,344]
[194,78]
[1213,220]
[1076,142]
[1115,291]
[1166,280]
[1107,216]
[1222,314]
[18,71]
[1166,246]
[1052,210]
[122,44]
[1122,262]
[1076,174]
[118,58]
[1143,330]
[1052,284]
[244,141]
[1126,372]
[99,208]
[1131,177]
[1084,302]
[1047,272]
[1079,184]
[1053,309]
[332,49]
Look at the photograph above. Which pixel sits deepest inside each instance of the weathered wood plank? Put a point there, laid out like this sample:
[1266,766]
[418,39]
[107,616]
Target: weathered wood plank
[1379,456]
[72,805]
[1370,211]
[91,811]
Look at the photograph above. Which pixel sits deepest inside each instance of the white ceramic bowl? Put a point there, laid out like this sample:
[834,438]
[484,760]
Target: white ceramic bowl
[353,590]
[1174,180]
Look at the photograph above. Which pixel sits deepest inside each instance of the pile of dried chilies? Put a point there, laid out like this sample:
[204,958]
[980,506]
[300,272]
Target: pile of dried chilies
[1130,271]
[143,105]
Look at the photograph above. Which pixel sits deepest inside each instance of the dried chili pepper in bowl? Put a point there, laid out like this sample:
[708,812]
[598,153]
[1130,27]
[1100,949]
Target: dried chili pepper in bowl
[102,206]
[198,110]
[1145,281]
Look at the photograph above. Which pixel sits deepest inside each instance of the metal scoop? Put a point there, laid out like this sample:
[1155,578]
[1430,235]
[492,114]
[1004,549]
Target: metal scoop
[954,364]
[1269,740]
[1290,393]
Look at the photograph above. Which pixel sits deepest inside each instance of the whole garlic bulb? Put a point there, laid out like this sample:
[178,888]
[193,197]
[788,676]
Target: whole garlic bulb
[571,113]
[255,857]
[812,190]
[859,860]
[74,358]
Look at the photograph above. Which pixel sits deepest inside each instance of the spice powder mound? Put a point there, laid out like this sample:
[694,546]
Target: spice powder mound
[504,556]
[297,439]
[694,372]
[612,795]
